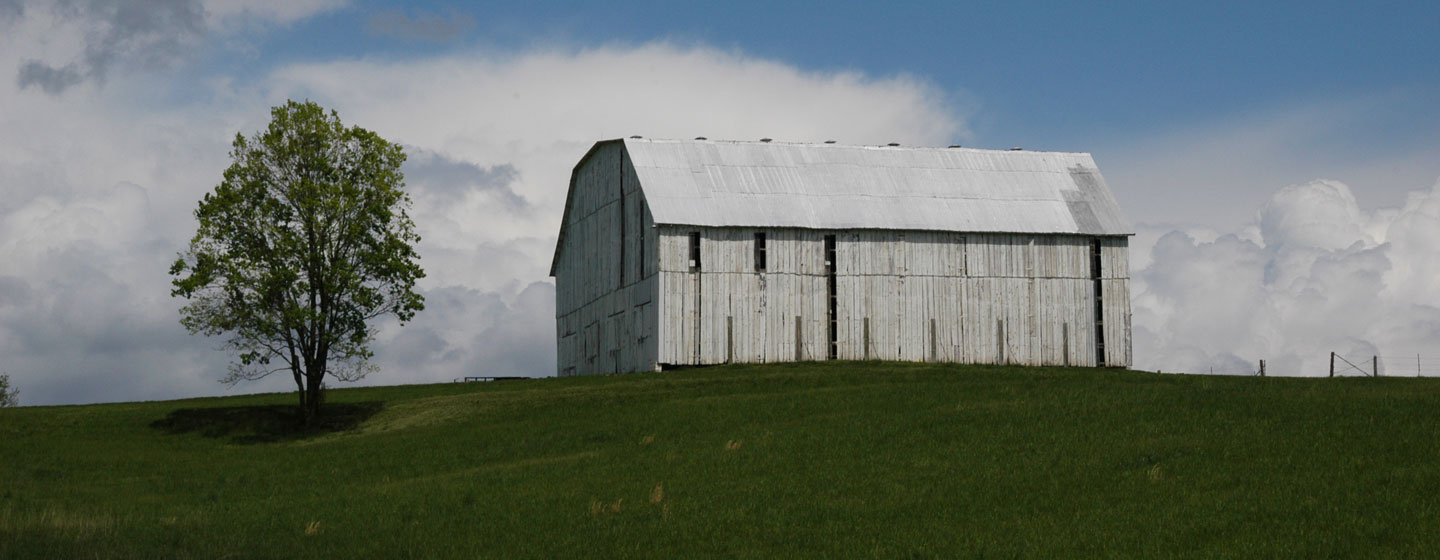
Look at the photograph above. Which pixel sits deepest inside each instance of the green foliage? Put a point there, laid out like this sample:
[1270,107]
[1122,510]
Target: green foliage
[305,240]
[817,460]
[9,396]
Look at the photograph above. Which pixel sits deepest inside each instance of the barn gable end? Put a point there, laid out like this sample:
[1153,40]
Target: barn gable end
[605,284]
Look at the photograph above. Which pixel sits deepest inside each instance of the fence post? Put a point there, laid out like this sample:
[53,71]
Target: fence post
[1375,366]
[1262,368]
[1332,364]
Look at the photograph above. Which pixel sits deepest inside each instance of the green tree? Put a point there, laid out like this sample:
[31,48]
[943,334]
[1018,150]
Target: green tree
[305,241]
[9,396]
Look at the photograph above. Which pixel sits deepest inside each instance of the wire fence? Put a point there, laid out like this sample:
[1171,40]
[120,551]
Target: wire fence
[1347,367]
[1382,365]
[1399,365]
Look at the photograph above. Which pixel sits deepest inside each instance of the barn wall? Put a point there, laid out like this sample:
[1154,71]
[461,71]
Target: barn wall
[727,311]
[606,277]
[927,296]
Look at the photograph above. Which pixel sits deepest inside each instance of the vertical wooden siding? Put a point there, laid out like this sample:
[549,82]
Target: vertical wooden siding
[974,298]
[605,279]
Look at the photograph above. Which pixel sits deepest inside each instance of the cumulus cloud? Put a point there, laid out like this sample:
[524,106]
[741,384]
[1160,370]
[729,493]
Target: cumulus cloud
[85,312]
[465,332]
[48,78]
[1312,274]
[141,33]
[66,44]
[447,179]
[11,10]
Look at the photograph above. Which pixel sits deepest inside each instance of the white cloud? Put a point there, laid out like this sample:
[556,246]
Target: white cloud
[98,37]
[1321,276]
[465,332]
[1320,214]
[52,47]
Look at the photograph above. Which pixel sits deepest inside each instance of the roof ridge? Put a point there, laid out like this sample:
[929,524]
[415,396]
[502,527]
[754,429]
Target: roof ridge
[830,144]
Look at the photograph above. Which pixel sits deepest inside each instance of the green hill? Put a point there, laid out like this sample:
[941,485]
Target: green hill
[824,460]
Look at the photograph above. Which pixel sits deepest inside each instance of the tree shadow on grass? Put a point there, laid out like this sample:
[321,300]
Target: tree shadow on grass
[267,423]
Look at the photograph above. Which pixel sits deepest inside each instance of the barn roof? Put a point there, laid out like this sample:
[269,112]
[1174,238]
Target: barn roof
[832,186]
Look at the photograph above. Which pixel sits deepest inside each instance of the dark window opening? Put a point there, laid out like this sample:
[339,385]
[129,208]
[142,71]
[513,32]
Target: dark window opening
[760,251]
[964,267]
[830,268]
[1095,259]
[1095,274]
[694,250]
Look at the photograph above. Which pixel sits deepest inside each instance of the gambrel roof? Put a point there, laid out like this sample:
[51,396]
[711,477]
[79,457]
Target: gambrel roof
[833,186]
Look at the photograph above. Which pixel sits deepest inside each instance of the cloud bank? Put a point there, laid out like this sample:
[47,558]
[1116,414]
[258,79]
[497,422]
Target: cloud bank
[1311,274]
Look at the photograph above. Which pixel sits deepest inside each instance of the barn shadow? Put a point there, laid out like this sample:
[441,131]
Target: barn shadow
[248,425]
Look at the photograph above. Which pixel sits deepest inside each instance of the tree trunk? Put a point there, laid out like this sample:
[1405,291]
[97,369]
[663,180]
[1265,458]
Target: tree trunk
[313,397]
[299,383]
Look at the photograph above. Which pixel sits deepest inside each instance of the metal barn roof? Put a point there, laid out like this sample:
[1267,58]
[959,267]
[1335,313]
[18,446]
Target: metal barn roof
[830,186]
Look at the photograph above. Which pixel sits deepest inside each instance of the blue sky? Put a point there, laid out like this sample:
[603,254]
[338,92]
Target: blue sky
[1043,72]
[1279,159]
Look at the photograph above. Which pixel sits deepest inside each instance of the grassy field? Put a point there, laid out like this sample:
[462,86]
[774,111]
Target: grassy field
[818,460]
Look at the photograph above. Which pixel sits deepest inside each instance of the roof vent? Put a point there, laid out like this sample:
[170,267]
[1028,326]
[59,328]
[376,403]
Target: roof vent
[764,139]
[701,138]
[893,144]
[829,141]
[1016,149]
[956,146]
[637,136]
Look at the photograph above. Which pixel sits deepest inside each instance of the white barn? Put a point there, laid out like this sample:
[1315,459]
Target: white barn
[681,252]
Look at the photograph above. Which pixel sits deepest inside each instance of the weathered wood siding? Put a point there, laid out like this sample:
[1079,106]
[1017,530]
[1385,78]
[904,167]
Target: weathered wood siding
[926,296]
[605,276]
